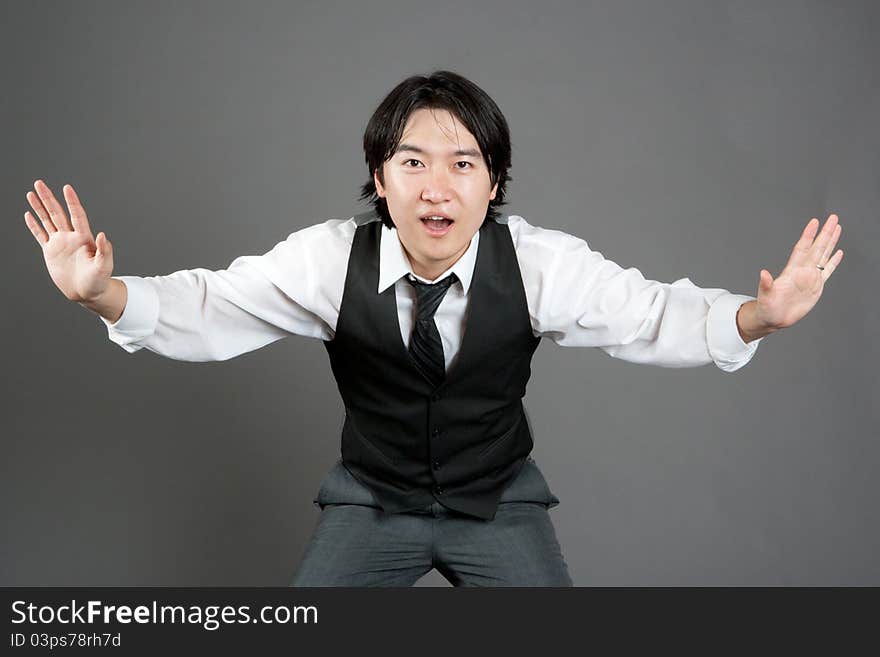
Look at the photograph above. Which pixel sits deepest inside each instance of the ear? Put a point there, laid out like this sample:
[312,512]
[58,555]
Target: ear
[494,192]
[380,190]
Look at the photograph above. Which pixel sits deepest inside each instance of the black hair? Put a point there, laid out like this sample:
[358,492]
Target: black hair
[440,90]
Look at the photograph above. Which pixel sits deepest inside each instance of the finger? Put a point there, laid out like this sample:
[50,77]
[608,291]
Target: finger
[802,248]
[765,281]
[77,214]
[100,245]
[41,212]
[832,264]
[822,240]
[103,246]
[830,248]
[53,206]
[36,230]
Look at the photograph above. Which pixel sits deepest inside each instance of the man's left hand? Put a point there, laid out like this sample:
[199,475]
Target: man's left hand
[785,300]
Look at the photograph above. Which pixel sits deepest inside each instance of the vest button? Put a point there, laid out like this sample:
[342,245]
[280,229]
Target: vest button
[436,464]
[436,396]
[436,432]
[438,490]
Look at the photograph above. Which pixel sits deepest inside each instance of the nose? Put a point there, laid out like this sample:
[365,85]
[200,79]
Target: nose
[437,187]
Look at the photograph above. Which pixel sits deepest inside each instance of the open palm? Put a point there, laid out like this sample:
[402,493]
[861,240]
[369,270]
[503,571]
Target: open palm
[78,264]
[785,300]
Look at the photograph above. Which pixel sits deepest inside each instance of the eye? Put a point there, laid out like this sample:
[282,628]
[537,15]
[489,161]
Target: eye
[469,165]
[410,160]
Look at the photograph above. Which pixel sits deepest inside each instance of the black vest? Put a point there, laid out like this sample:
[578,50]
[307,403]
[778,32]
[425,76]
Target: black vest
[410,443]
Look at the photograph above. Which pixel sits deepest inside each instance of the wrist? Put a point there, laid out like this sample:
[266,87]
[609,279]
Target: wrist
[110,303]
[97,300]
[749,326]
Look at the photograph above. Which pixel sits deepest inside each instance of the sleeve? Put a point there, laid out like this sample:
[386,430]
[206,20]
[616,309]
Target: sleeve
[204,315]
[578,298]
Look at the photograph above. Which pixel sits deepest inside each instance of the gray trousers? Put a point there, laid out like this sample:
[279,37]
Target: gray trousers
[355,543]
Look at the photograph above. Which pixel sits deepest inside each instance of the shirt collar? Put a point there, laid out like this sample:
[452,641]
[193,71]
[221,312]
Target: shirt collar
[393,263]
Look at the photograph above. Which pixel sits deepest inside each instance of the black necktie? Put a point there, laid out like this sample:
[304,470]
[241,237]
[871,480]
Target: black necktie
[424,342]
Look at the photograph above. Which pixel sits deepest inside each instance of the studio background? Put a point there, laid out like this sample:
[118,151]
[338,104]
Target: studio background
[689,140]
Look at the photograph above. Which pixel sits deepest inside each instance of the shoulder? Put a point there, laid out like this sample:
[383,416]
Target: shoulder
[321,246]
[533,239]
[328,237]
[331,233]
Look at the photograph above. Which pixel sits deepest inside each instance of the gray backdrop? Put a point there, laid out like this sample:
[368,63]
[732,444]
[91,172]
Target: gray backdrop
[696,140]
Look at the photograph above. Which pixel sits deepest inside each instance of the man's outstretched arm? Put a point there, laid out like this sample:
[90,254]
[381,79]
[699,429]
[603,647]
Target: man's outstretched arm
[577,297]
[197,314]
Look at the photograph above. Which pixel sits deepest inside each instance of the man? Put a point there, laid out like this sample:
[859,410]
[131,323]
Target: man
[430,308]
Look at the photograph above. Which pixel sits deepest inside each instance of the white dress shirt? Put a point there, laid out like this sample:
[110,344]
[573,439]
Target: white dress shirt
[576,298]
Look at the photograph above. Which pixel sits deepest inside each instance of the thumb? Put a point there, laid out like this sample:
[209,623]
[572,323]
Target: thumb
[765,281]
[103,247]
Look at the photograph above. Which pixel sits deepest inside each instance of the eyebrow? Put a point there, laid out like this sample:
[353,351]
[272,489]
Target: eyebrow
[467,152]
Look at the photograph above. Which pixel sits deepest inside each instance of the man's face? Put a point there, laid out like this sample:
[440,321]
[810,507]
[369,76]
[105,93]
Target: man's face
[437,170]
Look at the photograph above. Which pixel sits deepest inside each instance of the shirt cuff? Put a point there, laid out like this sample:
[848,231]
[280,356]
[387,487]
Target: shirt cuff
[140,315]
[725,344]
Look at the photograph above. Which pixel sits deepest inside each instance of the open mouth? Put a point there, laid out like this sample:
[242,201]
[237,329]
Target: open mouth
[437,225]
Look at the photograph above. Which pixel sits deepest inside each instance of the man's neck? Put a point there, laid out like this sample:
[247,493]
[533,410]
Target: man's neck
[432,269]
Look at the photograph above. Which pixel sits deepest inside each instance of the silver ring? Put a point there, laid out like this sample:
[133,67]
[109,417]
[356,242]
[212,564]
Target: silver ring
[821,267]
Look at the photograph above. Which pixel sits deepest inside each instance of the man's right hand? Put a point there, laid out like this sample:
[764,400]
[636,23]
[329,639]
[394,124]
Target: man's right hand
[78,264]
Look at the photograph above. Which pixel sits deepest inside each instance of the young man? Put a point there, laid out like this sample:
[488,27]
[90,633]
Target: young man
[430,308]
